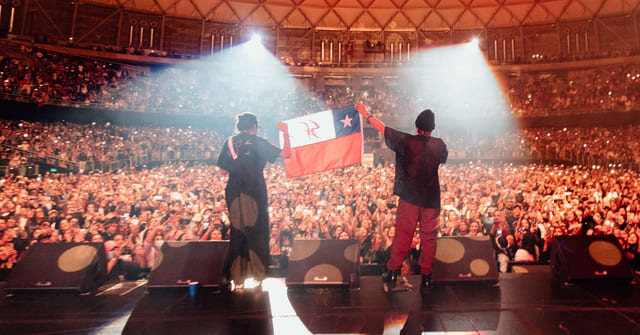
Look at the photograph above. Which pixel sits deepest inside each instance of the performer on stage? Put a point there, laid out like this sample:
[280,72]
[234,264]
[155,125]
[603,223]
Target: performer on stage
[416,183]
[244,157]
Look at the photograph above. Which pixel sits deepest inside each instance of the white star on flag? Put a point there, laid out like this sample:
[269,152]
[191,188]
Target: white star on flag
[346,121]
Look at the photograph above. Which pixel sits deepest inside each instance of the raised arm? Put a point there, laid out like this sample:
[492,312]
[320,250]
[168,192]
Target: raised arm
[286,150]
[373,121]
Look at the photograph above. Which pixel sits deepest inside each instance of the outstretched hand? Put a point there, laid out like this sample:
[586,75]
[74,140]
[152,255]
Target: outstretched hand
[286,150]
[375,123]
[284,128]
[362,109]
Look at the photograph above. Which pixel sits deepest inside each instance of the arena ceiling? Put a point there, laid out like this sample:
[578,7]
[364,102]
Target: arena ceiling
[386,15]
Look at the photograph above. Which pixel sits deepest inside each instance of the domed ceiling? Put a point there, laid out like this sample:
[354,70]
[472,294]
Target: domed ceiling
[386,15]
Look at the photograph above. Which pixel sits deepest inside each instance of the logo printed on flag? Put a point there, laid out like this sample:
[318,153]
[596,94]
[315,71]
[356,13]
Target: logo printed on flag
[323,141]
[312,126]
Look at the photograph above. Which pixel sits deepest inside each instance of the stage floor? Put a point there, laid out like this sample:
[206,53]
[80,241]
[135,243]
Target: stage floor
[522,303]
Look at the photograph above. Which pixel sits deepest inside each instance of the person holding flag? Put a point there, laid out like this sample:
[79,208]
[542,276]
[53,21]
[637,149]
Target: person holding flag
[244,157]
[417,184]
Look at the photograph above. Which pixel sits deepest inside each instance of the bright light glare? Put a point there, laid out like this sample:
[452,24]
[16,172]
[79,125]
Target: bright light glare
[256,38]
[458,85]
[285,319]
[250,283]
[242,78]
[475,41]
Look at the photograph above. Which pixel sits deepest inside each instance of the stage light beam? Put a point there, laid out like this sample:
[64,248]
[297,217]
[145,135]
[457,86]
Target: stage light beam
[458,84]
[256,39]
[235,79]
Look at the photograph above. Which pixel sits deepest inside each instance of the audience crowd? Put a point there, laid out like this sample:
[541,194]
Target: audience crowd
[47,77]
[53,78]
[519,207]
[107,142]
[97,143]
[576,92]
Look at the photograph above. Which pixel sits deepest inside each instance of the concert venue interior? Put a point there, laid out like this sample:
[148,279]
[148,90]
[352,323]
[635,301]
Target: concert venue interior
[113,114]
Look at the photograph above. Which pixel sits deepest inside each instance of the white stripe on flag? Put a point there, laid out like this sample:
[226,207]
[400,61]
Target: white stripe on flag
[310,129]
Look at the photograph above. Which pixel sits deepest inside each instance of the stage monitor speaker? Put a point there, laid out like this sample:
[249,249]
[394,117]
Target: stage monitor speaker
[180,263]
[324,262]
[62,266]
[588,257]
[465,259]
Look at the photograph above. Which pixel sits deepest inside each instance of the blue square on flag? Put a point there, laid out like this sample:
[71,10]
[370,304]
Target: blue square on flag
[346,120]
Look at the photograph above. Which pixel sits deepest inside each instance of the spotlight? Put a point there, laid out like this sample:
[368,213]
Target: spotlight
[475,41]
[256,38]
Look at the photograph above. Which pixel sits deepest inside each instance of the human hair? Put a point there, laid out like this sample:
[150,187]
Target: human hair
[246,121]
[426,120]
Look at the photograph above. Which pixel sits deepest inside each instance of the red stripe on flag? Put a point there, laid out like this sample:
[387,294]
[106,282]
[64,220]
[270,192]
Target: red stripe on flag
[332,154]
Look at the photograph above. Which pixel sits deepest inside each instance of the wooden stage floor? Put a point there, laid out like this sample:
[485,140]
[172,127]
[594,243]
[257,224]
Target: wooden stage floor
[523,303]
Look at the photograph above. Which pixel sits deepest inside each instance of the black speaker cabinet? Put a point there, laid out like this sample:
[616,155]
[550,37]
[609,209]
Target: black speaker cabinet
[62,266]
[180,263]
[465,259]
[324,262]
[588,257]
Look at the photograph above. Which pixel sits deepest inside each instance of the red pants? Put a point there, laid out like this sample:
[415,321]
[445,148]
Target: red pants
[407,217]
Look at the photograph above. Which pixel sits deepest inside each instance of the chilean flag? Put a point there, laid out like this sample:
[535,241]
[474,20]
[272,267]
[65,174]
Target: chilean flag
[324,141]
